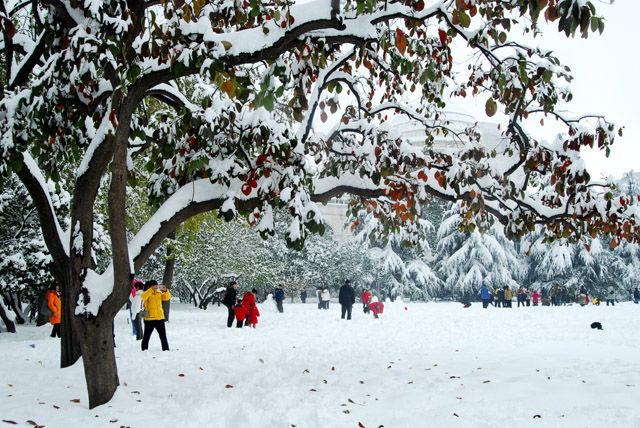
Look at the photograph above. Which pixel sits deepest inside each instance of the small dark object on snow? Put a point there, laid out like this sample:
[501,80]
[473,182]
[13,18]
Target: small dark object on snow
[596,325]
[466,304]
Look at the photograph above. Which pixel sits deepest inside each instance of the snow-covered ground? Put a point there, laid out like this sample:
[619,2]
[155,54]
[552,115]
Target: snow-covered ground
[429,365]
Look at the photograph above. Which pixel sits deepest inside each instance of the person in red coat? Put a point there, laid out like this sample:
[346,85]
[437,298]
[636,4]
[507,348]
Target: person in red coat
[365,295]
[376,307]
[240,313]
[251,310]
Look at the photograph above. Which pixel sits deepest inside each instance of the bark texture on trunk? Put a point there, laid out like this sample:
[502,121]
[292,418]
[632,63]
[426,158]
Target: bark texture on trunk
[99,359]
[167,278]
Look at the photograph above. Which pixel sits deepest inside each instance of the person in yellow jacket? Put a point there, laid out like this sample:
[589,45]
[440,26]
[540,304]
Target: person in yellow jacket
[53,301]
[153,297]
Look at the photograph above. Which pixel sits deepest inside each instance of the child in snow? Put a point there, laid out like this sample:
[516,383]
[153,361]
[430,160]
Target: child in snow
[376,307]
[240,314]
[535,296]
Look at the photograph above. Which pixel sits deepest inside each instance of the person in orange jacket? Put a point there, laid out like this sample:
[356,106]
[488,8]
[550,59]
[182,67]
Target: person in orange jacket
[252,312]
[53,301]
[153,298]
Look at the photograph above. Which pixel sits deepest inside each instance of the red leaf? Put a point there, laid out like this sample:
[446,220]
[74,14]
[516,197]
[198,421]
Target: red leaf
[112,118]
[443,36]
[181,375]
[228,386]
[360,425]
[253,183]
[246,189]
[401,41]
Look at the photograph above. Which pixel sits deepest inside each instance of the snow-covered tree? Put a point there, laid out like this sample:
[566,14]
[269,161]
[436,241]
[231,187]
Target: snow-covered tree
[467,260]
[240,138]
[24,259]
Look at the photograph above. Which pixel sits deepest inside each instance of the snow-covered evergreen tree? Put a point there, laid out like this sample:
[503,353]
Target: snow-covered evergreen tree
[468,260]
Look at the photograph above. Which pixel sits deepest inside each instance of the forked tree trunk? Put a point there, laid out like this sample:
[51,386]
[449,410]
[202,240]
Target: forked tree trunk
[98,358]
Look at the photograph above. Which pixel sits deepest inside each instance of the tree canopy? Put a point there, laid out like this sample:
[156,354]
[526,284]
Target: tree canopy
[219,99]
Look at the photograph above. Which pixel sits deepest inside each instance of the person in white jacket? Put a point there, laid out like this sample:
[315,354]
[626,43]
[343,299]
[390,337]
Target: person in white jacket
[325,297]
[611,295]
[136,308]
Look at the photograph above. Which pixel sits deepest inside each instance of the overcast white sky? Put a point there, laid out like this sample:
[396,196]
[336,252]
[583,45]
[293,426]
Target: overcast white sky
[605,69]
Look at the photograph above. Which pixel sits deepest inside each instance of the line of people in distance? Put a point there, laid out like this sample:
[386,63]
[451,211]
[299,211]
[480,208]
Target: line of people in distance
[553,296]
[245,312]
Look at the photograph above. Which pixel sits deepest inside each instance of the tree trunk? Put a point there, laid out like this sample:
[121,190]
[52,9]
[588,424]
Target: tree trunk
[13,301]
[98,358]
[167,278]
[11,326]
[70,350]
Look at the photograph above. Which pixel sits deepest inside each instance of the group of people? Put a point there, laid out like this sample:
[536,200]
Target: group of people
[553,296]
[370,303]
[347,298]
[146,306]
[244,310]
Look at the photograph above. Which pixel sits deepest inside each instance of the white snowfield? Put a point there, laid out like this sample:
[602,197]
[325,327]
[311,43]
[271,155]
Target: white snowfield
[429,365]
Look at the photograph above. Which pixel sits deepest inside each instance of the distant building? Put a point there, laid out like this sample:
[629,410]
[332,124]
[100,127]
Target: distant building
[334,212]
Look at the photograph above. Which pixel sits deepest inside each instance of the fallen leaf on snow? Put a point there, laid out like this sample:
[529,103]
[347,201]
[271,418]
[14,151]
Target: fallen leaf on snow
[346,411]
[486,381]
[228,386]
[456,415]
[9,422]
[181,375]
[536,416]
[75,400]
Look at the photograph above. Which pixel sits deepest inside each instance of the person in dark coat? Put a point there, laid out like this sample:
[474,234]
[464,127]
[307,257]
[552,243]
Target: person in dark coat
[346,298]
[279,297]
[303,296]
[230,300]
